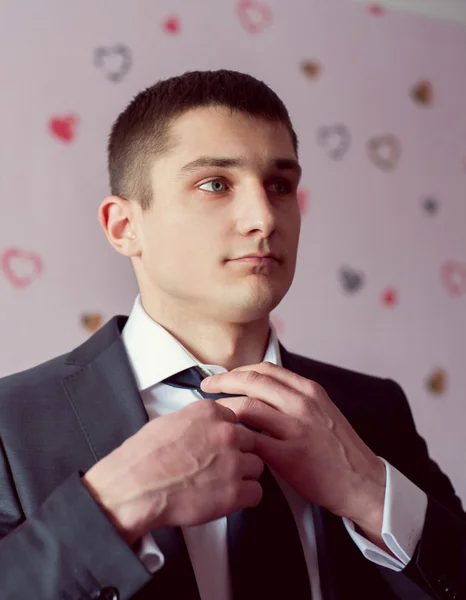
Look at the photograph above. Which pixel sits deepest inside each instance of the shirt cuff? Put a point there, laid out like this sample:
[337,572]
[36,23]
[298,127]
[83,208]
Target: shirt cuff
[150,554]
[404,512]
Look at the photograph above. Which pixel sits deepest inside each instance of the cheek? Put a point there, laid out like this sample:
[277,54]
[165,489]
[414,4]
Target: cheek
[180,246]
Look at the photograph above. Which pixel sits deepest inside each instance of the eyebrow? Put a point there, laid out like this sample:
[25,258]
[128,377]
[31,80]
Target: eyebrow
[282,164]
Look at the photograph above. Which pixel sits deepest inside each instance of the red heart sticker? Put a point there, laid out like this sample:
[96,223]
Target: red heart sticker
[64,128]
[376,9]
[172,25]
[254,16]
[20,267]
[390,297]
[454,277]
[303,195]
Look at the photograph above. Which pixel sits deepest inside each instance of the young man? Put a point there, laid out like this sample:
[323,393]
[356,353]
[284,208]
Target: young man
[126,474]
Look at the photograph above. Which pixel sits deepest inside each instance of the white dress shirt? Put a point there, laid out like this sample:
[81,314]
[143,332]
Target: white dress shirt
[155,354]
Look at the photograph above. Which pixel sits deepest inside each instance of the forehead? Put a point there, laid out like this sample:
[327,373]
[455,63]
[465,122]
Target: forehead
[220,131]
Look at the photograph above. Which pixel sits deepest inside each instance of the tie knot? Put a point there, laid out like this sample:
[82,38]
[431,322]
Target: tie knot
[190,379]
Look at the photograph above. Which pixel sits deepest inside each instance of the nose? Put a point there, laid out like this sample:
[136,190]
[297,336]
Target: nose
[256,214]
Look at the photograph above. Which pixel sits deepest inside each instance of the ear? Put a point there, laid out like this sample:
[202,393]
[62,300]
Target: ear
[117,216]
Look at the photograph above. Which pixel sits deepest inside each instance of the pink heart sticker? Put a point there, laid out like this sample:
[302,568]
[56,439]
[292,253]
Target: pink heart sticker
[21,268]
[453,276]
[255,16]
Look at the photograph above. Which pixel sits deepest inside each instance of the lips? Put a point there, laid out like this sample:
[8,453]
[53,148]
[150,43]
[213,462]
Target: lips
[258,256]
[256,259]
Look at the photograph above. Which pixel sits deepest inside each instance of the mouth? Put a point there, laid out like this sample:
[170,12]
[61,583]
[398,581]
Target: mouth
[257,259]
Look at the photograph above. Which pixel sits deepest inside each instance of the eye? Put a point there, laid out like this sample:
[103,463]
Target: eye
[216,186]
[282,187]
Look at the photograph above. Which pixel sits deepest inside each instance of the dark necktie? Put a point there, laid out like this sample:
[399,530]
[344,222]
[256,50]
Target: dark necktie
[265,551]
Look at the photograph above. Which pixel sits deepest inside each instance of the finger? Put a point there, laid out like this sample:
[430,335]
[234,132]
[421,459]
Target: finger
[225,412]
[256,385]
[250,494]
[246,439]
[260,415]
[251,466]
[301,384]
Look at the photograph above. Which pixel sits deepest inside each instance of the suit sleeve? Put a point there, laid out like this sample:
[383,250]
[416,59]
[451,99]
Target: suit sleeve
[66,550]
[439,561]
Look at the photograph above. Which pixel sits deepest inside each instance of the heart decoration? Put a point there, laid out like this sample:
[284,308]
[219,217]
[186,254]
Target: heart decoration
[422,93]
[385,151]
[277,322]
[453,275]
[172,25]
[113,61]
[437,381]
[20,267]
[376,10]
[430,205]
[336,139]
[351,279]
[64,127]
[390,297]
[91,321]
[254,16]
[311,68]
[303,195]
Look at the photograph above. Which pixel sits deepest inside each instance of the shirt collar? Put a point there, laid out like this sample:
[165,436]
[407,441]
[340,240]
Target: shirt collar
[154,354]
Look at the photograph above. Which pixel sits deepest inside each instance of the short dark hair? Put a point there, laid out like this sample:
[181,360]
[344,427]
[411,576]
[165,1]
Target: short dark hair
[141,130]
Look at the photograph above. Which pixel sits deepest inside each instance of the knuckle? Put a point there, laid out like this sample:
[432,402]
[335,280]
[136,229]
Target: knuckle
[227,433]
[259,466]
[233,492]
[232,465]
[248,404]
[315,389]
[268,366]
[255,493]
[206,407]
[303,404]
[252,376]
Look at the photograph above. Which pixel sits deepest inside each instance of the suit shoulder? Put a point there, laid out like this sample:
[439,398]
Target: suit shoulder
[326,371]
[34,379]
[48,374]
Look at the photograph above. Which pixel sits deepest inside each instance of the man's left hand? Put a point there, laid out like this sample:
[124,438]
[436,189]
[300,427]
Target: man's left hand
[307,441]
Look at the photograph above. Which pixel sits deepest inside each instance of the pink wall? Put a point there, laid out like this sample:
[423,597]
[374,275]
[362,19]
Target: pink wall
[397,225]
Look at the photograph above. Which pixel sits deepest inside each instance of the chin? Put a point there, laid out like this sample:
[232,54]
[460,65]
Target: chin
[253,308]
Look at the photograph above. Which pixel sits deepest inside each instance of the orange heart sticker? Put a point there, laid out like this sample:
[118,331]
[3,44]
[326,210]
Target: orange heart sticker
[91,321]
[422,93]
[437,382]
[311,68]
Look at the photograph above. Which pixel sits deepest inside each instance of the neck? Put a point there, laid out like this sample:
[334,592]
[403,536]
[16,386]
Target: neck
[226,344]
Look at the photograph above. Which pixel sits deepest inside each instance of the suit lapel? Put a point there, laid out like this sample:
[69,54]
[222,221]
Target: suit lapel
[109,408]
[325,554]
[342,567]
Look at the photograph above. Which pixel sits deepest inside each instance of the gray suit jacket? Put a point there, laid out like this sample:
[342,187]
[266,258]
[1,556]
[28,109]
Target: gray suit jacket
[58,419]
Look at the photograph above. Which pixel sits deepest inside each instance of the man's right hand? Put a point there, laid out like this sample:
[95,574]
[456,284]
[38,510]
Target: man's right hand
[186,468]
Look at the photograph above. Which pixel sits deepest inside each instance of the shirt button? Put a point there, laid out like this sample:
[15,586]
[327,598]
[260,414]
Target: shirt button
[108,593]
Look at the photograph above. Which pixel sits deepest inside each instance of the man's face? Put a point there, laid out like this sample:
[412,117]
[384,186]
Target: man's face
[227,188]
